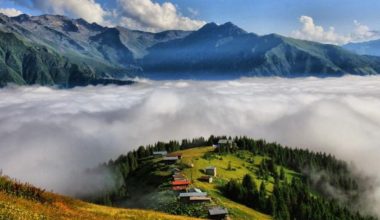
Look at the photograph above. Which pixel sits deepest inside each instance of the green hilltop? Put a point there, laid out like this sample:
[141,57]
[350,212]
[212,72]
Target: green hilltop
[254,180]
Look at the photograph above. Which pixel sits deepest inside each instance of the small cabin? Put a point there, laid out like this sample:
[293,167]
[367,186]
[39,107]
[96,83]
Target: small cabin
[218,213]
[211,171]
[196,199]
[170,160]
[178,155]
[178,185]
[193,197]
[160,153]
[207,179]
[225,142]
[179,176]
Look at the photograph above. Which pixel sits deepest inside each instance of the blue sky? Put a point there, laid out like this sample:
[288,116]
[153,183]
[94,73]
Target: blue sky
[348,17]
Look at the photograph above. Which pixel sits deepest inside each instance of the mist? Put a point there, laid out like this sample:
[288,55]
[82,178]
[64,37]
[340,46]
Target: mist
[49,136]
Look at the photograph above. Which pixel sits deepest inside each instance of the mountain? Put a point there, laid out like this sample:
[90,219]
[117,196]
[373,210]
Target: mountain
[365,48]
[26,63]
[227,49]
[109,54]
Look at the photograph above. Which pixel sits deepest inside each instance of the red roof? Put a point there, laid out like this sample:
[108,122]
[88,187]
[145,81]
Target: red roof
[180,182]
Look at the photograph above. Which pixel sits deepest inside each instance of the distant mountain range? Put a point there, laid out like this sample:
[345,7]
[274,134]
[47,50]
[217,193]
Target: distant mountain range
[56,50]
[365,48]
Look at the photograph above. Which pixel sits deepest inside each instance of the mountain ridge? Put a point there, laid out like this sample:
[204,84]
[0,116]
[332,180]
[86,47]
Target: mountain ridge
[212,52]
[371,48]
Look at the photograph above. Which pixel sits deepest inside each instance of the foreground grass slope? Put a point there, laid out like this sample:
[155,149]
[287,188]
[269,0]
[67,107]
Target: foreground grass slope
[15,205]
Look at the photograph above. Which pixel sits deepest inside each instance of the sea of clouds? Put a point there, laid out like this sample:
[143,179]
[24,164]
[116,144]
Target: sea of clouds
[49,136]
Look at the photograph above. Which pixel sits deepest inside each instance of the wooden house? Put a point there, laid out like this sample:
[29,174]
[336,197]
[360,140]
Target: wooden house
[211,171]
[207,179]
[178,155]
[170,160]
[178,185]
[160,153]
[189,197]
[179,176]
[218,213]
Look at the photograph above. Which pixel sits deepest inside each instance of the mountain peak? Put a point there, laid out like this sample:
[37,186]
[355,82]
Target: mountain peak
[226,29]
[209,26]
[22,18]
[232,28]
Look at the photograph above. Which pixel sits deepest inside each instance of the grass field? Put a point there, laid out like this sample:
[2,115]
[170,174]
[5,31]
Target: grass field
[242,163]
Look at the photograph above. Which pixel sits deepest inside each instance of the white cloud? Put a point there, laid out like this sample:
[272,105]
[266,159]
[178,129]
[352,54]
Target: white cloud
[193,11]
[362,32]
[90,10]
[66,131]
[313,32]
[152,16]
[11,12]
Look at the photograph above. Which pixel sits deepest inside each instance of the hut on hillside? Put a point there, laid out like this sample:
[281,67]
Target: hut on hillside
[170,160]
[211,171]
[218,213]
[159,153]
[179,176]
[194,197]
[178,185]
[207,179]
[178,155]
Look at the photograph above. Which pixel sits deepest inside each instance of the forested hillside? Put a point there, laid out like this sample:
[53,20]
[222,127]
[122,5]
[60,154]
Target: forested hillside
[266,177]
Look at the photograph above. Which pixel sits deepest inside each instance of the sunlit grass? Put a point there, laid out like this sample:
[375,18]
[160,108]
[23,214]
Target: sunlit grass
[194,156]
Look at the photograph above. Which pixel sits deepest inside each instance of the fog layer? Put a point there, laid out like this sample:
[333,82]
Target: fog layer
[48,136]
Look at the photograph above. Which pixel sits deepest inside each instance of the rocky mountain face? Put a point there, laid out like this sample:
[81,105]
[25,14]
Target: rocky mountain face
[47,49]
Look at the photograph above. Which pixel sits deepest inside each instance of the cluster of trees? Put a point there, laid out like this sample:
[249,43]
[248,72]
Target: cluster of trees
[23,190]
[247,193]
[288,201]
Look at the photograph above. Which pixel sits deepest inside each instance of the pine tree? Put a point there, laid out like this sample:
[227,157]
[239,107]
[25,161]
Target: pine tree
[282,173]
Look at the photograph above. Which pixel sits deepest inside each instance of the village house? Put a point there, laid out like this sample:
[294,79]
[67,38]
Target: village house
[159,153]
[207,179]
[211,171]
[225,142]
[179,176]
[218,213]
[194,197]
[178,185]
[178,155]
[170,160]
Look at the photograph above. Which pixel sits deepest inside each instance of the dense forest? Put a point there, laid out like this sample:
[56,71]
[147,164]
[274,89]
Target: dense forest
[301,198]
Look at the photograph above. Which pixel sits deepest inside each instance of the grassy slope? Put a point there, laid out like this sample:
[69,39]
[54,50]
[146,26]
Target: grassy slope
[12,207]
[237,211]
